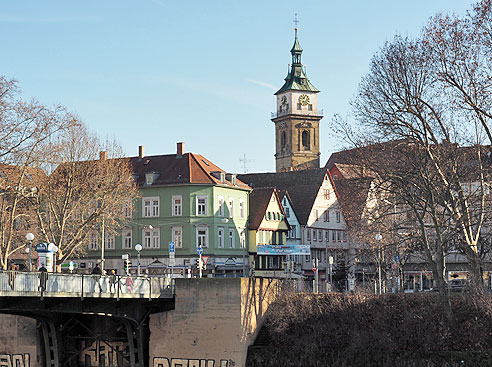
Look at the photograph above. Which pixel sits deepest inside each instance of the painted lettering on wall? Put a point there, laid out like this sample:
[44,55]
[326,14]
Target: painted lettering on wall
[101,353]
[15,360]
[185,362]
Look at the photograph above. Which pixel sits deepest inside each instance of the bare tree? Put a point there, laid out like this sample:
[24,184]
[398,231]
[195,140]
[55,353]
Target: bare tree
[84,193]
[25,132]
[433,148]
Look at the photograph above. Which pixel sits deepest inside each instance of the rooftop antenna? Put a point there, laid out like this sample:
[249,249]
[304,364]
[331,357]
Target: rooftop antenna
[245,161]
[295,20]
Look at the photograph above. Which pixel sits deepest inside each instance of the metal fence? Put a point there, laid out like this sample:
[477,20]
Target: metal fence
[13,283]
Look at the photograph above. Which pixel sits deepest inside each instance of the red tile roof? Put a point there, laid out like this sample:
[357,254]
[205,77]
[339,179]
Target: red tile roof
[171,169]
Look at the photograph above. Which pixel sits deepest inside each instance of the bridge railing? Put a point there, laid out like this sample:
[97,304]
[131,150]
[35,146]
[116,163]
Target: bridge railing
[13,283]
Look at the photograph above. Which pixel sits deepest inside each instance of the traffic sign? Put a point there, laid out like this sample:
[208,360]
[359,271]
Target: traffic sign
[397,258]
[205,259]
[172,247]
[199,250]
[314,269]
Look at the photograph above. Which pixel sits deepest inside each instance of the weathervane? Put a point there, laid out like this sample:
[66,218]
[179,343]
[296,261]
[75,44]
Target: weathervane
[295,19]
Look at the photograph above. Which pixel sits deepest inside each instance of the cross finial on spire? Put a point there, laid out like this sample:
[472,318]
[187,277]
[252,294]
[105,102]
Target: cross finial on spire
[295,20]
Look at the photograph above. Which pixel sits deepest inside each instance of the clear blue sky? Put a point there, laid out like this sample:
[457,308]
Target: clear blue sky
[155,72]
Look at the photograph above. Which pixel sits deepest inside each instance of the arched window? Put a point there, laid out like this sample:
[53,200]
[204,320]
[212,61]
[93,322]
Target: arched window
[283,139]
[305,139]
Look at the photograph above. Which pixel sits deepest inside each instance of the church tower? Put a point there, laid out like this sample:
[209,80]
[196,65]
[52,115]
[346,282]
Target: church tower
[297,119]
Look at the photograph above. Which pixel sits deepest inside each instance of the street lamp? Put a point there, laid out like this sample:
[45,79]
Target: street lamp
[54,249]
[29,238]
[378,238]
[138,248]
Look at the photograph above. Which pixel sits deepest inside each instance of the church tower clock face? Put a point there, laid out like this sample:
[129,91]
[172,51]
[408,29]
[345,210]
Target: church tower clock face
[304,99]
[297,119]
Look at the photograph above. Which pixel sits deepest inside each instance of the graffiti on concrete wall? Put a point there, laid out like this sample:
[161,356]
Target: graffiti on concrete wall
[101,353]
[15,360]
[185,362]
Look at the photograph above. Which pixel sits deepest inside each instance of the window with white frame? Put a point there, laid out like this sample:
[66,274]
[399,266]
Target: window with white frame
[151,238]
[221,206]
[260,236]
[93,240]
[150,207]
[177,236]
[126,238]
[242,239]
[109,241]
[314,235]
[326,194]
[308,234]
[320,235]
[287,212]
[231,207]
[292,231]
[242,209]
[232,238]
[338,217]
[220,237]
[334,236]
[202,237]
[177,205]
[201,205]
[327,236]
[327,216]
[339,236]
[127,209]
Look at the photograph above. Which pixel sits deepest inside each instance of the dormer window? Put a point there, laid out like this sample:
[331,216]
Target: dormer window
[231,178]
[149,178]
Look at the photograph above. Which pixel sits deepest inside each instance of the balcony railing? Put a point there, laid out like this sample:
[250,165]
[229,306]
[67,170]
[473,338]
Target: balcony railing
[302,112]
[37,284]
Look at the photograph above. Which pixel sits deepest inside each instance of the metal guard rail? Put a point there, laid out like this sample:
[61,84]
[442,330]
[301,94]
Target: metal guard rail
[38,284]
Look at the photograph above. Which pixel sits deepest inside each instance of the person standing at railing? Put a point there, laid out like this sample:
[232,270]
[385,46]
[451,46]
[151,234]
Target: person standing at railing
[43,278]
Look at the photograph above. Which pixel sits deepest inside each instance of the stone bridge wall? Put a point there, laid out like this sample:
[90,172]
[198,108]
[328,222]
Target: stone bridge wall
[19,342]
[213,323]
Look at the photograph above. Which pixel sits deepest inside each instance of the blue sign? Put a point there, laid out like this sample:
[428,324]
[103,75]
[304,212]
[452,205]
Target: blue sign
[199,250]
[283,250]
[172,247]
[397,258]
[41,247]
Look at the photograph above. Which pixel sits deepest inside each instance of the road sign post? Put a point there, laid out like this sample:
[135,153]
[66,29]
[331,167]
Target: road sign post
[172,249]
[199,251]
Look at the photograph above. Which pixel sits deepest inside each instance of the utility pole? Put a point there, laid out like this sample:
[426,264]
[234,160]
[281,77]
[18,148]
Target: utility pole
[378,239]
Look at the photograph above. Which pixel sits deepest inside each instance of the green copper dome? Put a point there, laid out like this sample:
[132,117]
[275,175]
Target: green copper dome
[297,79]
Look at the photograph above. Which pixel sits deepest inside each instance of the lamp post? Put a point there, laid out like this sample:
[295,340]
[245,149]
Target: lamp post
[378,238]
[54,249]
[29,238]
[138,248]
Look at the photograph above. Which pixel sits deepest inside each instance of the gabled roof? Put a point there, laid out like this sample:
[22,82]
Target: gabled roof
[10,175]
[303,186]
[171,169]
[258,203]
[352,196]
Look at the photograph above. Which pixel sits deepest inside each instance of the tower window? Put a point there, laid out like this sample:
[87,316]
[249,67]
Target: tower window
[298,106]
[283,139]
[310,107]
[305,139]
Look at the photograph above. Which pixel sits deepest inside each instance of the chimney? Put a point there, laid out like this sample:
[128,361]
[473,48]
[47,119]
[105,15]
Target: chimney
[180,150]
[103,155]
[141,152]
